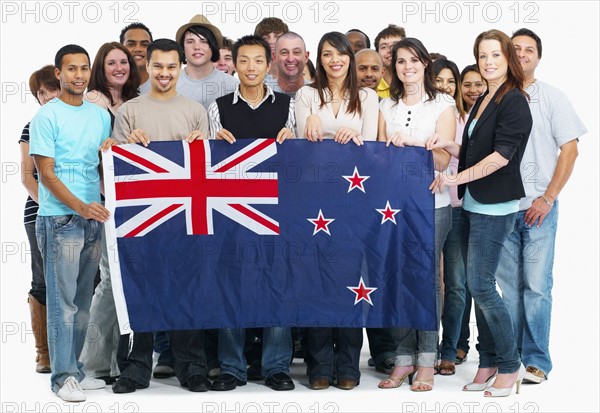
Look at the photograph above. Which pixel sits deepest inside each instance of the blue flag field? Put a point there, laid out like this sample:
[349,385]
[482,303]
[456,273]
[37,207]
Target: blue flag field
[258,234]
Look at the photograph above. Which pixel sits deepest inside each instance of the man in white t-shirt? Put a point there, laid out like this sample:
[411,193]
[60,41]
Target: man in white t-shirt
[529,250]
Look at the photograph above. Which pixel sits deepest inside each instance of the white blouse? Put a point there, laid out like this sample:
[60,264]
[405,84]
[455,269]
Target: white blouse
[307,103]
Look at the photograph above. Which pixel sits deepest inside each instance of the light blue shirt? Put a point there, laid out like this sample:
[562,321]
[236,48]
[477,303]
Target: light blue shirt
[499,209]
[72,136]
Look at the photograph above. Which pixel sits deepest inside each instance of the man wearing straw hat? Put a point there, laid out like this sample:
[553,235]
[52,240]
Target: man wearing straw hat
[199,80]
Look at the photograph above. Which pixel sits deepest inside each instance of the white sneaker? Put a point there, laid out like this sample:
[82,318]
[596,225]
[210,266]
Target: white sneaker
[71,391]
[90,383]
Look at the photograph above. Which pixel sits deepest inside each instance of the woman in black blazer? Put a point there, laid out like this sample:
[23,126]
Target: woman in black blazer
[489,181]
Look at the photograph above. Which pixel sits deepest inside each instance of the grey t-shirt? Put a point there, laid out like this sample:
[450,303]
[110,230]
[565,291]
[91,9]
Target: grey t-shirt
[554,124]
[162,120]
[207,90]
[145,87]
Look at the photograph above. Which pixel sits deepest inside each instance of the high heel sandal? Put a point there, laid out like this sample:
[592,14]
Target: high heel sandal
[495,392]
[395,382]
[419,383]
[479,386]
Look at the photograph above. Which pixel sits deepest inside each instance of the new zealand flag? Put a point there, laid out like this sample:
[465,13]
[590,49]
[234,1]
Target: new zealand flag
[257,234]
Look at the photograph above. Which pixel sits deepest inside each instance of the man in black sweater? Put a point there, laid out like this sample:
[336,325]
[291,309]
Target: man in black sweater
[253,111]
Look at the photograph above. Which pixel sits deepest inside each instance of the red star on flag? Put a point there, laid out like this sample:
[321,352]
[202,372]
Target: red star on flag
[388,214]
[321,223]
[362,292]
[356,180]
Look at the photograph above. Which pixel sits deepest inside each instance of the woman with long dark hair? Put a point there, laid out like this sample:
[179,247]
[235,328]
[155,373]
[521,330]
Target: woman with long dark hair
[489,180]
[415,111]
[335,107]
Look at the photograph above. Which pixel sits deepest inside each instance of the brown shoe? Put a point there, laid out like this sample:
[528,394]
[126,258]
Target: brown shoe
[534,376]
[319,383]
[40,333]
[346,384]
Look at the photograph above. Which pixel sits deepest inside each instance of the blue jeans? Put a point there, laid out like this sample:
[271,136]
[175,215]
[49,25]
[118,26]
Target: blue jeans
[99,353]
[525,276]
[455,291]
[382,344]
[323,362]
[482,242]
[70,246]
[38,283]
[419,347]
[276,351]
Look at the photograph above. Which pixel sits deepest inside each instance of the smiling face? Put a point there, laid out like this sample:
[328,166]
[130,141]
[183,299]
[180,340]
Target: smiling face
[251,65]
[196,49]
[527,53]
[473,86]
[445,81]
[116,68]
[492,63]
[334,62]
[74,76]
[385,49]
[137,41]
[163,69]
[369,69]
[225,62]
[408,67]
[290,57]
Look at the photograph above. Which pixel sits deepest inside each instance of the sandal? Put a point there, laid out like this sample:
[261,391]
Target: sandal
[460,359]
[395,382]
[416,386]
[445,368]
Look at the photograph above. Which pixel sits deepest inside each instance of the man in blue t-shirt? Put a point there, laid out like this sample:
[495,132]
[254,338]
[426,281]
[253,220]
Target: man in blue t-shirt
[66,135]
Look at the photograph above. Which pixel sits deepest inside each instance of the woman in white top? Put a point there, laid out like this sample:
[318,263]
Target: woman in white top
[334,107]
[414,113]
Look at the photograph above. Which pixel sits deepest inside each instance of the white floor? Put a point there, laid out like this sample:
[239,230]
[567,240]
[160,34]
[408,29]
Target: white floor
[23,390]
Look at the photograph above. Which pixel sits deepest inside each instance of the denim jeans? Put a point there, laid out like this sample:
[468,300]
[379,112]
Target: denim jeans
[482,242]
[38,283]
[323,362]
[70,247]
[525,276]
[382,344]
[135,355]
[419,347]
[99,353]
[465,329]
[455,289]
[276,351]
[162,345]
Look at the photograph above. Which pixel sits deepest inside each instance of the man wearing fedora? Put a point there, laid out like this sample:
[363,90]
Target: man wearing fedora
[200,80]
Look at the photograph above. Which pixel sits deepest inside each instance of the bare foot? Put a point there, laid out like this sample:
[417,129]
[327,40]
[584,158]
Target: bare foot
[483,374]
[424,379]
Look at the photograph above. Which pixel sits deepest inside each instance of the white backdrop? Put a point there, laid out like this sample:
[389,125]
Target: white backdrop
[32,32]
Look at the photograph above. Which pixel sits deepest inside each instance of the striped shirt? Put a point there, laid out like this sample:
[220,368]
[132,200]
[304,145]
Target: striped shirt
[31,207]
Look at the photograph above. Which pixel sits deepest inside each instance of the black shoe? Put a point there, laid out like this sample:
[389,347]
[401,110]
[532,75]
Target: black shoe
[226,382]
[387,366]
[254,371]
[280,381]
[108,379]
[371,362]
[126,385]
[198,383]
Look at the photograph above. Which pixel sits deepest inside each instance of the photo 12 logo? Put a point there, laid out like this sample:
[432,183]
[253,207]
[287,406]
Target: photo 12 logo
[253,12]
[69,12]
[468,11]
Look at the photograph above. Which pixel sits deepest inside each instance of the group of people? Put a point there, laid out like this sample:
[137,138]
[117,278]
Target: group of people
[489,128]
